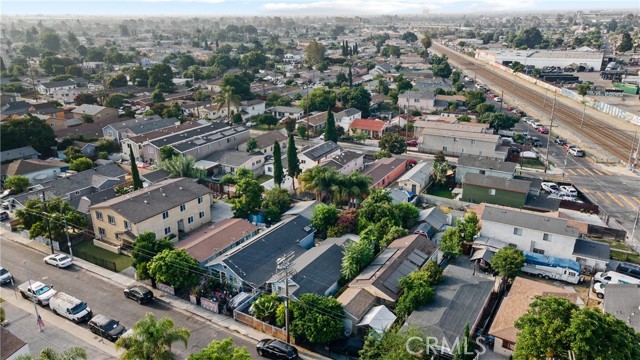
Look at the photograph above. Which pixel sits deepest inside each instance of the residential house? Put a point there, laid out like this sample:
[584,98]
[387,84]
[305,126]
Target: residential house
[381,69]
[417,100]
[515,304]
[403,256]
[84,203]
[266,141]
[135,127]
[66,96]
[25,153]
[478,188]
[356,303]
[137,142]
[623,302]
[153,177]
[317,271]
[535,232]
[14,108]
[215,240]
[87,149]
[229,161]
[168,208]
[49,88]
[346,162]
[255,262]
[80,184]
[12,347]
[315,123]
[416,179]
[284,112]
[37,171]
[458,139]
[345,117]
[433,220]
[251,108]
[313,156]
[484,165]
[385,171]
[462,298]
[444,101]
[98,113]
[371,127]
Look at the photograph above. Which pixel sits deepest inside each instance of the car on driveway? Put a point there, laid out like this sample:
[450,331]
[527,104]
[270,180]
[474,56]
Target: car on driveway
[58,260]
[276,349]
[569,190]
[550,187]
[5,276]
[106,327]
[139,293]
[412,143]
[598,288]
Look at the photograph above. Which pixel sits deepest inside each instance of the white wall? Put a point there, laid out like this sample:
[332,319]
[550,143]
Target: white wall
[559,245]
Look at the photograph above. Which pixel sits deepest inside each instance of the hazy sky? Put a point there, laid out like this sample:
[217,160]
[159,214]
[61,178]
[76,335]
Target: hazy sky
[133,8]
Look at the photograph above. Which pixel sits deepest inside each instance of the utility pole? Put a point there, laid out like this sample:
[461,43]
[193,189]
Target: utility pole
[635,223]
[501,99]
[38,321]
[633,145]
[546,162]
[283,266]
[583,111]
[64,217]
[307,110]
[46,216]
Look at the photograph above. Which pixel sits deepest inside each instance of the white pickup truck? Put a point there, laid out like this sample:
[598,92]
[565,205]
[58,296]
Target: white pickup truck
[37,291]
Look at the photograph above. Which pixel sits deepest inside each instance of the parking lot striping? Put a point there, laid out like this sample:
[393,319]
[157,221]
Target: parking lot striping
[581,172]
[599,195]
[597,172]
[614,199]
[636,199]
[633,206]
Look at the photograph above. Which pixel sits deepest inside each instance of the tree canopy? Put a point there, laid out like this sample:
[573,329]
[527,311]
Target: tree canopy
[317,319]
[176,268]
[319,99]
[221,350]
[152,339]
[145,248]
[17,183]
[35,213]
[27,131]
[314,53]
[393,143]
[508,261]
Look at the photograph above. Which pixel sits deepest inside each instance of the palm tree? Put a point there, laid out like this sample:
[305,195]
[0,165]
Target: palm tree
[265,308]
[320,180]
[439,172]
[151,339]
[353,187]
[182,166]
[74,353]
[226,98]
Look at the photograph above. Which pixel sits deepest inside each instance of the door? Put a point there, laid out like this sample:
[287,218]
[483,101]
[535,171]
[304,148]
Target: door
[413,188]
[180,225]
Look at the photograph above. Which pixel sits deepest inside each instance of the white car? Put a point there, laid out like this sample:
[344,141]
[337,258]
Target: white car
[58,260]
[569,190]
[5,276]
[550,187]
[598,288]
[497,99]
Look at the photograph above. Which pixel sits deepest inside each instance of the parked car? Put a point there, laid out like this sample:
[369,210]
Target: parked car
[276,349]
[570,190]
[543,130]
[576,152]
[614,278]
[567,147]
[510,108]
[514,150]
[629,269]
[58,260]
[598,288]
[497,99]
[4,215]
[5,276]
[560,141]
[139,293]
[550,187]
[412,143]
[106,327]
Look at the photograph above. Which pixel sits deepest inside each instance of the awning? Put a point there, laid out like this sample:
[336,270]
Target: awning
[484,254]
[379,318]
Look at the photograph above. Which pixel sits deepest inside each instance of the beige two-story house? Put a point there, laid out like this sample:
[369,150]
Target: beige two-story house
[168,208]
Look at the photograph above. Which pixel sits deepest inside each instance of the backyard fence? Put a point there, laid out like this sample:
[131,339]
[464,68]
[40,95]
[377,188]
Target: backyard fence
[110,265]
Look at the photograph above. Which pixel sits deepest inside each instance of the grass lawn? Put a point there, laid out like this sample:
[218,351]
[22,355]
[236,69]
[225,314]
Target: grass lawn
[620,256]
[264,178]
[266,128]
[532,163]
[441,192]
[122,261]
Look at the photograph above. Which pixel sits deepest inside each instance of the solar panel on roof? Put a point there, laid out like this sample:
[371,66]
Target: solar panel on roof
[199,141]
[382,258]
[368,272]
[416,259]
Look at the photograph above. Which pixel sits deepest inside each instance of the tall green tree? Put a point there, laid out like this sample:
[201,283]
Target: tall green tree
[226,98]
[393,143]
[508,262]
[135,175]
[293,164]
[81,164]
[323,217]
[278,172]
[248,198]
[145,248]
[319,99]
[17,183]
[176,268]
[314,53]
[27,131]
[451,244]
[468,227]
[356,256]
[317,319]
[152,339]
[182,166]
[50,41]
[221,350]
[626,43]
[35,213]
[330,133]
[160,77]
[276,202]
[426,44]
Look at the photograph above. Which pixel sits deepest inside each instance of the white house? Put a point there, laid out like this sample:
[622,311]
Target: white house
[315,155]
[345,117]
[53,86]
[283,112]
[415,100]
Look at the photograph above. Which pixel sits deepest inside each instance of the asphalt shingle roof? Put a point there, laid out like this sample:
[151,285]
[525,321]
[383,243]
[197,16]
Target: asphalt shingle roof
[321,150]
[592,249]
[483,162]
[528,220]
[496,182]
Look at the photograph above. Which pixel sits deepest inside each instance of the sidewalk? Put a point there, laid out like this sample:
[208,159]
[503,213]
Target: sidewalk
[183,306]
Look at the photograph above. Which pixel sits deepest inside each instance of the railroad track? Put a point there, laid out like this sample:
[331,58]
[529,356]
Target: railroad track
[616,141]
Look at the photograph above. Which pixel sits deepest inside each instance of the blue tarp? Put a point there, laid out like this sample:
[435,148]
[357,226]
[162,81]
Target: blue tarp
[539,259]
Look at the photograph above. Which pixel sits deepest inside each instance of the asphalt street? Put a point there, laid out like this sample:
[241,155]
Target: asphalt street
[106,298]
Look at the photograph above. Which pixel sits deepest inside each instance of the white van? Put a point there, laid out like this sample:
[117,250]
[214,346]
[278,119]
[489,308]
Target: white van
[614,278]
[73,309]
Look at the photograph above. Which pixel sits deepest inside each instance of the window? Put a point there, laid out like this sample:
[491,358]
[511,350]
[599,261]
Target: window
[127,225]
[167,230]
[546,237]
[200,200]
[508,345]
[101,231]
[513,245]
[183,207]
[492,191]
[444,148]
[455,139]
[165,215]
[99,215]
[150,149]
[517,231]
[112,220]
[473,141]
[190,220]
[77,192]
[482,172]
[538,251]
[201,214]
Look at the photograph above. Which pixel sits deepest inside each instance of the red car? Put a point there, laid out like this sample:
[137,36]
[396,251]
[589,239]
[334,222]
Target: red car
[567,146]
[412,162]
[509,108]
[543,130]
[412,143]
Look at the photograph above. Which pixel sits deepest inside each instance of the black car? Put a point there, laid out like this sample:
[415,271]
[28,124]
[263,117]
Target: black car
[276,349]
[105,327]
[139,293]
[629,269]
[560,141]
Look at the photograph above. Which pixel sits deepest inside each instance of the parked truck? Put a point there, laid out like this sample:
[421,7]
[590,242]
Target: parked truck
[548,267]
[35,290]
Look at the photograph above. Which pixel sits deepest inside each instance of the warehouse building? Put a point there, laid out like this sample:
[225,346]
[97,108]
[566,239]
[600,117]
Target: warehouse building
[542,58]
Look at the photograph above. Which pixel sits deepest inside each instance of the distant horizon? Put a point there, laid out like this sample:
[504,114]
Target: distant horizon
[297,8]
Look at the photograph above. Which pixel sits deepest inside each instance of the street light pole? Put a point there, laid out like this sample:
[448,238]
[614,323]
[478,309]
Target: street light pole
[38,321]
[546,162]
[633,145]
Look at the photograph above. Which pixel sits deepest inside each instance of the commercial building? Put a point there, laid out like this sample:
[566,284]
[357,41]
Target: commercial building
[542,58]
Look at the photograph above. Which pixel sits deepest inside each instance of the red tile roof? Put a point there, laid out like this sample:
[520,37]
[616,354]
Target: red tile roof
[368,124]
